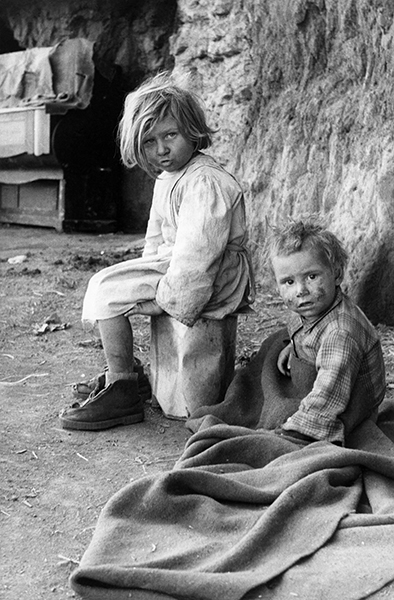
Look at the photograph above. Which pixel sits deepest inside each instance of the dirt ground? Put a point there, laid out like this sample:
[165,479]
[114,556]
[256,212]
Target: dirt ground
[55,482]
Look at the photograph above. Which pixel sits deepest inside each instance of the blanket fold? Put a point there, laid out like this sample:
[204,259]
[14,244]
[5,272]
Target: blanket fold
[248,514]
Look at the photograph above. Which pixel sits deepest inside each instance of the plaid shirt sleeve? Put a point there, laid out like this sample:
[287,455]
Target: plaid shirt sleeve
[338,362]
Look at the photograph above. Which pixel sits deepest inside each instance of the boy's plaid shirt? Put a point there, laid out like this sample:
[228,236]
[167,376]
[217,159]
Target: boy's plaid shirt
[346,351]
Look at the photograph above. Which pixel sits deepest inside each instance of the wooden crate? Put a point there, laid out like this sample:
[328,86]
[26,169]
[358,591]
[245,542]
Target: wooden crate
[38,202]
[29,196]
[24,130]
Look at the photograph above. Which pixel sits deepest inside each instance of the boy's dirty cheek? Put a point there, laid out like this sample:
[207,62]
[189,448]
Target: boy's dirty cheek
[320,293]
[286,297]
[289,302]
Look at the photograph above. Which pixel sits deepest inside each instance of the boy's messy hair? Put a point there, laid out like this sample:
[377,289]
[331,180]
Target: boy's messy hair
[305,235]
[155,99]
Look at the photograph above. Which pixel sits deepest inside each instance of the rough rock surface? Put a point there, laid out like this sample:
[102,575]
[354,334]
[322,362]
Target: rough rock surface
[300,90]
[302,93]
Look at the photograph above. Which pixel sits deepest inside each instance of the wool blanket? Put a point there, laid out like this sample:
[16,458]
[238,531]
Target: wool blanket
[249,514]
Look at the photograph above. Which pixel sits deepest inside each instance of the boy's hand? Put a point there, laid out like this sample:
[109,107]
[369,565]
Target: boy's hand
[283,362]
[149,308]
[296,435]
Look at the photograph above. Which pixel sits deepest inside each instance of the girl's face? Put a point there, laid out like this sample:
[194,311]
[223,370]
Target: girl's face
[166,148]
[305,282]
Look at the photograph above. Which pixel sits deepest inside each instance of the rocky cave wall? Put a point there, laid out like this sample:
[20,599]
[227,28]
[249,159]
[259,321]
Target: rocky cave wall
[300,90]
[302,93]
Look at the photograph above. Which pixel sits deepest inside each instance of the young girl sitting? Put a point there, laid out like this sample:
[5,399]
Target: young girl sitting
[195,261]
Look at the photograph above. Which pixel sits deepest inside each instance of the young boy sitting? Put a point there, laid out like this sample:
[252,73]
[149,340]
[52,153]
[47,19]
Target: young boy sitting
[328,332]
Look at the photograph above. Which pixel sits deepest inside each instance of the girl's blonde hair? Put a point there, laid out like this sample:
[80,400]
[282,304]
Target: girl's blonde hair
[306,235]
[155,99]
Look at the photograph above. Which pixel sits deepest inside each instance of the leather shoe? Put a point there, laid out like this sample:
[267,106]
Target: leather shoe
[116,404]
[83,389]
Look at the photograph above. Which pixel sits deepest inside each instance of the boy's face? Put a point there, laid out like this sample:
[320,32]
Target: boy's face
[306,283]
[165,146]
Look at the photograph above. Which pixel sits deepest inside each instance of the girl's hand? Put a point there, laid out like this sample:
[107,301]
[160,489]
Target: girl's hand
[149,308]
[283,362]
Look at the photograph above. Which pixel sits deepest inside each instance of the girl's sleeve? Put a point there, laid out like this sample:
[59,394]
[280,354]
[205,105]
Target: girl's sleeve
[204,223]
[153,236]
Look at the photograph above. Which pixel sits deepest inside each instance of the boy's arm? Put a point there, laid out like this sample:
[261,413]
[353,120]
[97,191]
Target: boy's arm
[204,223]
[338,362]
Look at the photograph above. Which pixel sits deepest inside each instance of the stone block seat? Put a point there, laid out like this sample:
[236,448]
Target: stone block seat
[191,366]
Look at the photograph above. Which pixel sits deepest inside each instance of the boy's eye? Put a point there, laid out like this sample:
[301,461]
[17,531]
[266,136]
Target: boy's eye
[312,276]
[289,281]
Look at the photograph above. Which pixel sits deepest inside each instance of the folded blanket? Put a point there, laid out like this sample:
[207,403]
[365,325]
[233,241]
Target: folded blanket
[249,514]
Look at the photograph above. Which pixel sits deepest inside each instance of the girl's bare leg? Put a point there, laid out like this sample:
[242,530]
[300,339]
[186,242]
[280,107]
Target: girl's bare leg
[117,338]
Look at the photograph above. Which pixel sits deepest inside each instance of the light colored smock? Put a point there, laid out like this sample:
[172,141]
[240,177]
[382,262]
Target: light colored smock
[195,262]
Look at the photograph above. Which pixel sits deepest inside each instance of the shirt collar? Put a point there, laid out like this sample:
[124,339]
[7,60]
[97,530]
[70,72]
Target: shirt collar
[296,322]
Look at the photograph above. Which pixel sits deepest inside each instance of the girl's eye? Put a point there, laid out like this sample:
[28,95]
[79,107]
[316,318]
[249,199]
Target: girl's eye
[171,135]
[148,142]
[289,281]
[312,276]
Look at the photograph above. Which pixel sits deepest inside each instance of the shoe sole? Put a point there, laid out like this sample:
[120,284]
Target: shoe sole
[143,394]
[144,391]
[100,425]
